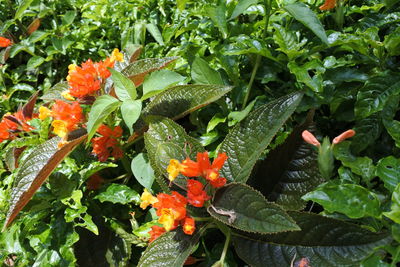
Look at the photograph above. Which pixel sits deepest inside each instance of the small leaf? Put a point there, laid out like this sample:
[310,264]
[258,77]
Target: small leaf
[119,193]
[202,73]
[158,81]
[241,7]
[155,32]
[102,107]
[34,62]
[388,170]
[137,70]
[142,170]
[130,110]
[248,139]
[54,93]
[244,208]
[325,242]
[170,249]
[24,4]
[350,199]
[124,87]
[68,17]
[34,170]
[303,13]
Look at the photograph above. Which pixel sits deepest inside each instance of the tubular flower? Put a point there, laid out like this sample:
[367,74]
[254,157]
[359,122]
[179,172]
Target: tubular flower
[107,143]
[4,134]
[60,128]
[66,116]
[211,171]
[155,232]
[147,199]
[44,113]
[310,138]
[195,193]
[188,167]
[13,124]
[329,4]
[340,138]
[4,42]
[189,226]
[171,209]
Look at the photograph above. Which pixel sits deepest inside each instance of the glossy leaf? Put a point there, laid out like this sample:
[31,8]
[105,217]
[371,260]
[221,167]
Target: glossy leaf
[394,213]
[137,70]
[350,199]
[242,207]
[102,107]
[24,5]
[142,170]
[34,170]
[170,249]
[130,110]
[325,242]
[289,171]
[388,170]
[159,81]
[248,139]
[155,32]
[119,193]
[217,15]
[303,13]
[202,73]
[54,93]
[241,7]
[124,88]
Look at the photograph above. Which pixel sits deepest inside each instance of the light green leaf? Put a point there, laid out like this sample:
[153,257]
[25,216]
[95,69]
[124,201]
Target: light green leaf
[181,4]
[68,17]
[244,208]
[34,62]
[217,15]
[130,110]
[24,4]
[54,93]
[119,193]
[202,73]
[155,32]
[102,107]
[241,7]
[248,139]
[142,170]
[124,88]
[159,81]
[304,14]
[215,120]
[394,213]
[350,199]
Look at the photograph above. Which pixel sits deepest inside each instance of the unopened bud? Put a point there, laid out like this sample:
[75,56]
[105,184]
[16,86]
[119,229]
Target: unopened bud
[347,134]
[310,138]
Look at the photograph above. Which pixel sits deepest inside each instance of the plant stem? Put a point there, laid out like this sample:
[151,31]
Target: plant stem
[267,6]
[226,245]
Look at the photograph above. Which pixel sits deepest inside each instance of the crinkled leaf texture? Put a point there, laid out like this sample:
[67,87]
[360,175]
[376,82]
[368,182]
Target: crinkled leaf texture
[324,241]
[289,171]
[119,193]
[165,140]
[242,207]
[54,93]
[34,170]
[248,139]
[170,249]
[137,70]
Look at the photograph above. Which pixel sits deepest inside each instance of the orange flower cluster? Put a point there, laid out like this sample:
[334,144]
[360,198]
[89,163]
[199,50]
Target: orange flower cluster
[171,209]
[4,42]
[86,80]
[12,125]
[66,116]
[312,140]
[329,4]
[107,143]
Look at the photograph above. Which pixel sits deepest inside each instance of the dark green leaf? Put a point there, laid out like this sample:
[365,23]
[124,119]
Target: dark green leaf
[325,242]
[388,170]
[34,62]
[202,73]
[394,213]
[247,140]
[303,13]
[102,107]
[244,208]
[119,193]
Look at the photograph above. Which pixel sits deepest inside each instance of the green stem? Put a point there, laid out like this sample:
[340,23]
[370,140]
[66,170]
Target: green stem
[267,5]
[226,246]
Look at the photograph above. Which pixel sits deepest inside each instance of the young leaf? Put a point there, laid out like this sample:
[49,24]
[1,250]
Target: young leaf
[241,7]
[24,4]
[170,249]
[325,242]
[303,13]
[119,193]
[158,81]
[202,73]
[248,139]
[137,70]
[34,170]
[288,172]
[102,107]
[244,208]
[124,87]
[155,32]
[350,199]
[130,110]
[142,170]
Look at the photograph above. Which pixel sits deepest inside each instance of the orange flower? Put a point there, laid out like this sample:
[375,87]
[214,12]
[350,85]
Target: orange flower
[155,232]
[340,138]
[4,42]
[71,114]
[195,193]
[211,171]
[310,138]
[171,209]
[102,146]
[329,4]
[12,124]
[4,134]
[188,167]
[189,226]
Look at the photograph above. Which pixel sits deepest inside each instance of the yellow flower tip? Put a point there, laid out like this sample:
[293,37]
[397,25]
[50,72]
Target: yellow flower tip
[147,199]
[60,128]
[117,56]
[173,169]
[62,143]
[67,95]
[44,112]
[213,175]
[167,219]
[72,67]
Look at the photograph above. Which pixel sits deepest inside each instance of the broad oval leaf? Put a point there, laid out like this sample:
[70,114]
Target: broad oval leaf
[130,110]
[170,249]
[242,207]
[124,88]
[202,73]
[159,81]
[142,170]
[34,170]
[388,170]
[137,70]
[241,7]
[248,139]
[102,107]
[324,241]
[119,193]
[304,14]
